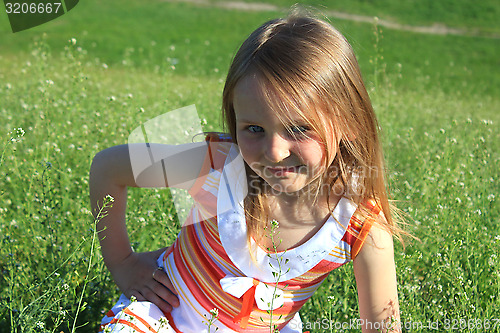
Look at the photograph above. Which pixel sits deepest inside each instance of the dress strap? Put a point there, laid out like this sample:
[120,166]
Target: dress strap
[216,137]
[372,211]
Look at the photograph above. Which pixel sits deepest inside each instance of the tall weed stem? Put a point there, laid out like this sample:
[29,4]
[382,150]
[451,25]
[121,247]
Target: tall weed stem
[103,212]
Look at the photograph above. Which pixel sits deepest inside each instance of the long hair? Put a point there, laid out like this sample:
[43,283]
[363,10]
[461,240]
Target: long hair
[308,67]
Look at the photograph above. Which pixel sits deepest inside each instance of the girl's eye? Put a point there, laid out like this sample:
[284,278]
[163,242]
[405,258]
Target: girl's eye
[255,129]
[299,129]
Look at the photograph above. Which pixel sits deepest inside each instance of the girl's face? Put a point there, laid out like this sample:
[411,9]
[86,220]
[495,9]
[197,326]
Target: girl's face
[287,162]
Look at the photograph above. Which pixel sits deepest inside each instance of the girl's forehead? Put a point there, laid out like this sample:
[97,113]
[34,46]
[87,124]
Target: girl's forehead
[249,102]
[250,84]
[253,93]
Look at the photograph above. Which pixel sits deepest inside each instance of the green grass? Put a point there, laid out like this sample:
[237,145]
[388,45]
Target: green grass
[201,41]
[435,96]
[482,16]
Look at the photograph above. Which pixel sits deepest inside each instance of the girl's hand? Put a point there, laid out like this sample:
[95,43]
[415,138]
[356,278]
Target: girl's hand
[134,277]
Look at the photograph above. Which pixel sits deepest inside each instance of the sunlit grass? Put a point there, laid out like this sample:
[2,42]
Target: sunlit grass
[442,148]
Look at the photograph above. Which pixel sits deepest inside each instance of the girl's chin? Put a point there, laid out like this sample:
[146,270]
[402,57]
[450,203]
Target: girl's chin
[287,187]
[292,185]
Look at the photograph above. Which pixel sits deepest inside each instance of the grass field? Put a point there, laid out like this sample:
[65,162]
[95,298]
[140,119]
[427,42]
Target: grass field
[84,81]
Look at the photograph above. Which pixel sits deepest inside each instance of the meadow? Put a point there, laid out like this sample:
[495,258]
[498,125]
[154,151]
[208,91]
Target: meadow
[83,82]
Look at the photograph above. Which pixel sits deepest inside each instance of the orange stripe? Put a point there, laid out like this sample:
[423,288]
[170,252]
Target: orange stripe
[367,224]
[358,243]
[126,323]
[171,322]
[144,322]
[190,262]
[248,299]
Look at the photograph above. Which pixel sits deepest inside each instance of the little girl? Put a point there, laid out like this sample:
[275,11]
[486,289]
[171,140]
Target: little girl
[295,190]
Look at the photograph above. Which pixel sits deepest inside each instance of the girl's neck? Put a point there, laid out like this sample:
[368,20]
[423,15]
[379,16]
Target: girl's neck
[307,208]
[298,221]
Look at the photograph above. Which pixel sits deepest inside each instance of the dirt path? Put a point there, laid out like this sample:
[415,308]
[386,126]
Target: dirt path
[435,29]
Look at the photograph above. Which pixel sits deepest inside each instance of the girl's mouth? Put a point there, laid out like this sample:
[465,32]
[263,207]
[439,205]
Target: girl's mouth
[280,171]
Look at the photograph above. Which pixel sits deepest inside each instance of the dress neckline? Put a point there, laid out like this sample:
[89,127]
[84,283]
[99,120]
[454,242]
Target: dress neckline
[262,265]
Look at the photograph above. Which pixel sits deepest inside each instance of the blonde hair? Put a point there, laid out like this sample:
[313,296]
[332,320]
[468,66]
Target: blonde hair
[308,67]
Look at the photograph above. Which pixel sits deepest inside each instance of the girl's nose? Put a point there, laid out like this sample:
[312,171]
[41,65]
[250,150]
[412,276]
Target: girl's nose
[277,148]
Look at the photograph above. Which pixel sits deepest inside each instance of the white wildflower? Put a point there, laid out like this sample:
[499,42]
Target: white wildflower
[214,312]
[492,261]
[109,198]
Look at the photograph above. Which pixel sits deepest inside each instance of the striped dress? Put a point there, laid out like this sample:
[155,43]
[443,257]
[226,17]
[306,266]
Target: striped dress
[211,267]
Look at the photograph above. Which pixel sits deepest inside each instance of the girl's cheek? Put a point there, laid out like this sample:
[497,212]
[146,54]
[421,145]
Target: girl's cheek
[314,156]
[247,140]
[248,148]
[248,151]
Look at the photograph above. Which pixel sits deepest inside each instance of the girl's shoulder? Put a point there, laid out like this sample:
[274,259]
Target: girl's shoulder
[219,145]
[367,213]
[218,137]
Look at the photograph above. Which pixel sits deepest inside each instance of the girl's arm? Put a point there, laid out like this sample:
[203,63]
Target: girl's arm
[110,174]
[375,274]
